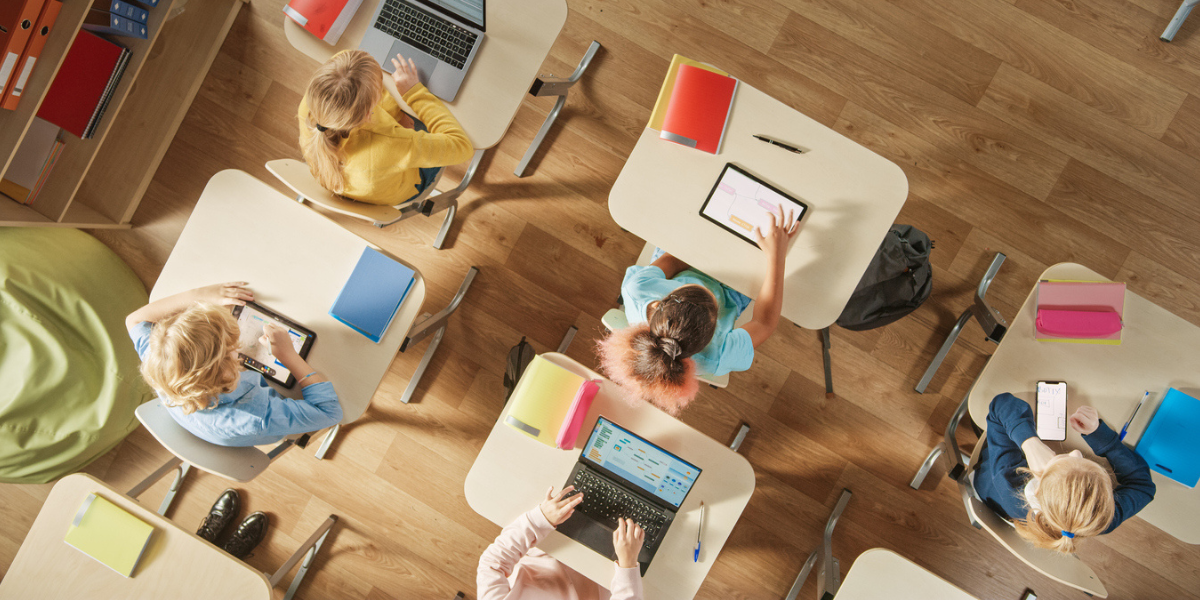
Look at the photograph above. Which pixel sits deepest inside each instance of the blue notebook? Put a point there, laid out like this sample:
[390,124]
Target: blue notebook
[1171,445]
[372,295]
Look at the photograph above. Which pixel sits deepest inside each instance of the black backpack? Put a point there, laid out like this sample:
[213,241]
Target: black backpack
[898,280]
[518,359]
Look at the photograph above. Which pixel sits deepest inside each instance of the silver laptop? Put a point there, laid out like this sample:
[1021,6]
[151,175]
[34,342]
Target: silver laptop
[440,36]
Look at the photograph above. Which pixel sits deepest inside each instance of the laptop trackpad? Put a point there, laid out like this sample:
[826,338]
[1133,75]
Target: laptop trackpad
[425,63]
[589,533]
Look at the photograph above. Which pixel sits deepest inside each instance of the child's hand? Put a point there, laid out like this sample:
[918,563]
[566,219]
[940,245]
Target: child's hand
[277,339]
[627,541]
[1085,420]
[557,508]
[774,240]
[405,74]
[233,292]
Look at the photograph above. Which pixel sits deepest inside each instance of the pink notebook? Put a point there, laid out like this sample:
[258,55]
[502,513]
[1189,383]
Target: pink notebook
[1080,305]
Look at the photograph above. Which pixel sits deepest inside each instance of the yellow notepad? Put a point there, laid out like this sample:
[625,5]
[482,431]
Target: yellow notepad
[542,399]
[109,534]
[664,95]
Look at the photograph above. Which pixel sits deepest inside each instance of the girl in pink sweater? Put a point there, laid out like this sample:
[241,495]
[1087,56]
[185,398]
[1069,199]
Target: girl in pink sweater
[512,569]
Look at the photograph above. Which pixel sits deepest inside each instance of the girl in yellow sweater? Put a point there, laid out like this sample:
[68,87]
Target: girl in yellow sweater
[360,144]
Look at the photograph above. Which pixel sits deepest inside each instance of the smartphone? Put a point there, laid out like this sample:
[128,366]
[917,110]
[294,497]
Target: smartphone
[1052,410]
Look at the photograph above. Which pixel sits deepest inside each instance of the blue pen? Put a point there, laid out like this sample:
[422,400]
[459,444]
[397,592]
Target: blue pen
[699,530]
[1125,429]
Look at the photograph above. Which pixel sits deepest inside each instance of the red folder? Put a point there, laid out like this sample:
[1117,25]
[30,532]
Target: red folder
[17,18]
[326,19]
[81,82]
[699,109]
[37,41]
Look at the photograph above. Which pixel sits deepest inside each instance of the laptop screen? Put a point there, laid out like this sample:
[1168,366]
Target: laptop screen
[471,11]
[640,463]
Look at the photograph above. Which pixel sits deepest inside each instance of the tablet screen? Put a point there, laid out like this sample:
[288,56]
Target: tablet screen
[256,355]
[739,202]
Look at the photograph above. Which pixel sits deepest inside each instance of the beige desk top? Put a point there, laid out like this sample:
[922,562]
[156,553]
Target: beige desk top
[176,564]
[853,196]
[512,472]
[1158,350]
[296,262]
[879,574]
[517,41]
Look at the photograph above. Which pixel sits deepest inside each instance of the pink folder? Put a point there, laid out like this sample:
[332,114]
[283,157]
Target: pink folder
[1080,312]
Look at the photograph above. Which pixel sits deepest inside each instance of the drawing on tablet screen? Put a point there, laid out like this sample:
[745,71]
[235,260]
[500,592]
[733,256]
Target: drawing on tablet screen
[742,202]
[250,325]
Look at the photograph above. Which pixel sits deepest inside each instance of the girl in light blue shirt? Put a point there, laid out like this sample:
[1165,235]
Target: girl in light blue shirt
[188,344]
[682,321]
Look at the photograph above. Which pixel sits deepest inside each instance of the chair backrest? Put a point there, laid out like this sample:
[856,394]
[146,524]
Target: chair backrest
[1067,569]
[238,464]
[296,175]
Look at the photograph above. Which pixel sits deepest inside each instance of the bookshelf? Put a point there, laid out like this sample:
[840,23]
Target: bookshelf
[98,182]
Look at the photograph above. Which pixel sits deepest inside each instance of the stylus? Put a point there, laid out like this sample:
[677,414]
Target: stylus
[699,531]
[787,147]
[1125,429]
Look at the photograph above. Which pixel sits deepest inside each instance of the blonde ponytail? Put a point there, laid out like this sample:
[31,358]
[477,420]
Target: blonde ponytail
[1076,497]
[340,97]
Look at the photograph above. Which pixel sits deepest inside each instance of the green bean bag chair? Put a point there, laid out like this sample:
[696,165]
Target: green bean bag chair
[69,380]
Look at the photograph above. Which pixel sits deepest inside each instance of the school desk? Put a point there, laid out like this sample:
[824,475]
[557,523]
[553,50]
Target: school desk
[1158,350]
[176,563]
[880,574]
[853,196]
[296,262]
[512,472]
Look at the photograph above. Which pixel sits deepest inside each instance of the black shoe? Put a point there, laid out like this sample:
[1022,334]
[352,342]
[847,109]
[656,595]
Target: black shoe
[223,512]
[247,535]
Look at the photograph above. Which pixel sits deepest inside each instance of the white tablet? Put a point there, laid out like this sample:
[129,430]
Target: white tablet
[740,201]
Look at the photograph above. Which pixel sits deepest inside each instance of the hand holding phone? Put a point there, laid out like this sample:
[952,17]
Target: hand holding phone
[1052,410]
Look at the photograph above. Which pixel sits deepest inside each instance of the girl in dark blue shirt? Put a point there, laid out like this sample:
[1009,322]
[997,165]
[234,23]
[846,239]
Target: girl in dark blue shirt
[1055,499]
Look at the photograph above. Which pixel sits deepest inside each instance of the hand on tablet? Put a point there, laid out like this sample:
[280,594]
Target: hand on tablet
[278,340]
[774,240]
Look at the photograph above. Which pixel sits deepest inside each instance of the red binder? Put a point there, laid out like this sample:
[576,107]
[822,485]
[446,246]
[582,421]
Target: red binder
[326,19]
[699,109]
[17,18]
[81,87]
[33,49]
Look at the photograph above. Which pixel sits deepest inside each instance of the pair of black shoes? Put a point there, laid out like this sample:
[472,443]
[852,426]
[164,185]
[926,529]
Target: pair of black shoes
[247,535]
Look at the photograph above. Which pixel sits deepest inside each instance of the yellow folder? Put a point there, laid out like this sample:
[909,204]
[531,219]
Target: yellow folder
[542,399]
[109,534]
[664,95]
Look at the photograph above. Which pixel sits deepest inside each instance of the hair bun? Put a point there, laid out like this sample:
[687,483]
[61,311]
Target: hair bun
[670,346]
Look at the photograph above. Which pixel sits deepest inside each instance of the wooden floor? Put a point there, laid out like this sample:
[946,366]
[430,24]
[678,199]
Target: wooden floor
[1050,130]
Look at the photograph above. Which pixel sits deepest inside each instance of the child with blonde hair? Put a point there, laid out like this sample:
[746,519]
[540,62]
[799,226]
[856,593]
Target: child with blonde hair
[682,321]
[188,344]
[1056,500]
[360,144]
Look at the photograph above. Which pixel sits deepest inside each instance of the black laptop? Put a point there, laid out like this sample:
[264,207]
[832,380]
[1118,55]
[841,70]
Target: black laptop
[622,475]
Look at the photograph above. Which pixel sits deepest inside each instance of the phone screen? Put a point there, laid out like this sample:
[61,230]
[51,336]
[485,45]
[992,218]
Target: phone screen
[1052,410]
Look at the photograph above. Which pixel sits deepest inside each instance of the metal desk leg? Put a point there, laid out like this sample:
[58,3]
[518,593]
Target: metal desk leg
[829,576]
[308,550]
[1177,20]
[435,324]
[740,437]
[825,345]
[567,339]
[993,324]
[553,86]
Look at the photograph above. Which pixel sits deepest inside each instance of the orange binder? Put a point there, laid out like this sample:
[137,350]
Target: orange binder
[33,49]
[17,18]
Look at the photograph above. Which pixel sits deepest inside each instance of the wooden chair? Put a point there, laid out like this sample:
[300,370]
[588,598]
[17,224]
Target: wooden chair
[1066,569]
[237,464]
[296,175]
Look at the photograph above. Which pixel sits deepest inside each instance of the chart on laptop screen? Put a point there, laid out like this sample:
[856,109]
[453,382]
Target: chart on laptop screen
[640,462]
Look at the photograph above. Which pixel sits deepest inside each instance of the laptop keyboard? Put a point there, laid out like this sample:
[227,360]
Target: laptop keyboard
[437,37]
[606,502]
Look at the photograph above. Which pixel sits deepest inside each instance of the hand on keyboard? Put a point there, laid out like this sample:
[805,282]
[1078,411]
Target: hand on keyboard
[559,507]
[627,541]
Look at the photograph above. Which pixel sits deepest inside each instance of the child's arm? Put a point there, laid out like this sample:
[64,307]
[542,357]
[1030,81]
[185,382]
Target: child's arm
[1135,487]
[280,343]
[234,292]
[769,303]
[670,265]
[445,143]
[502,556]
